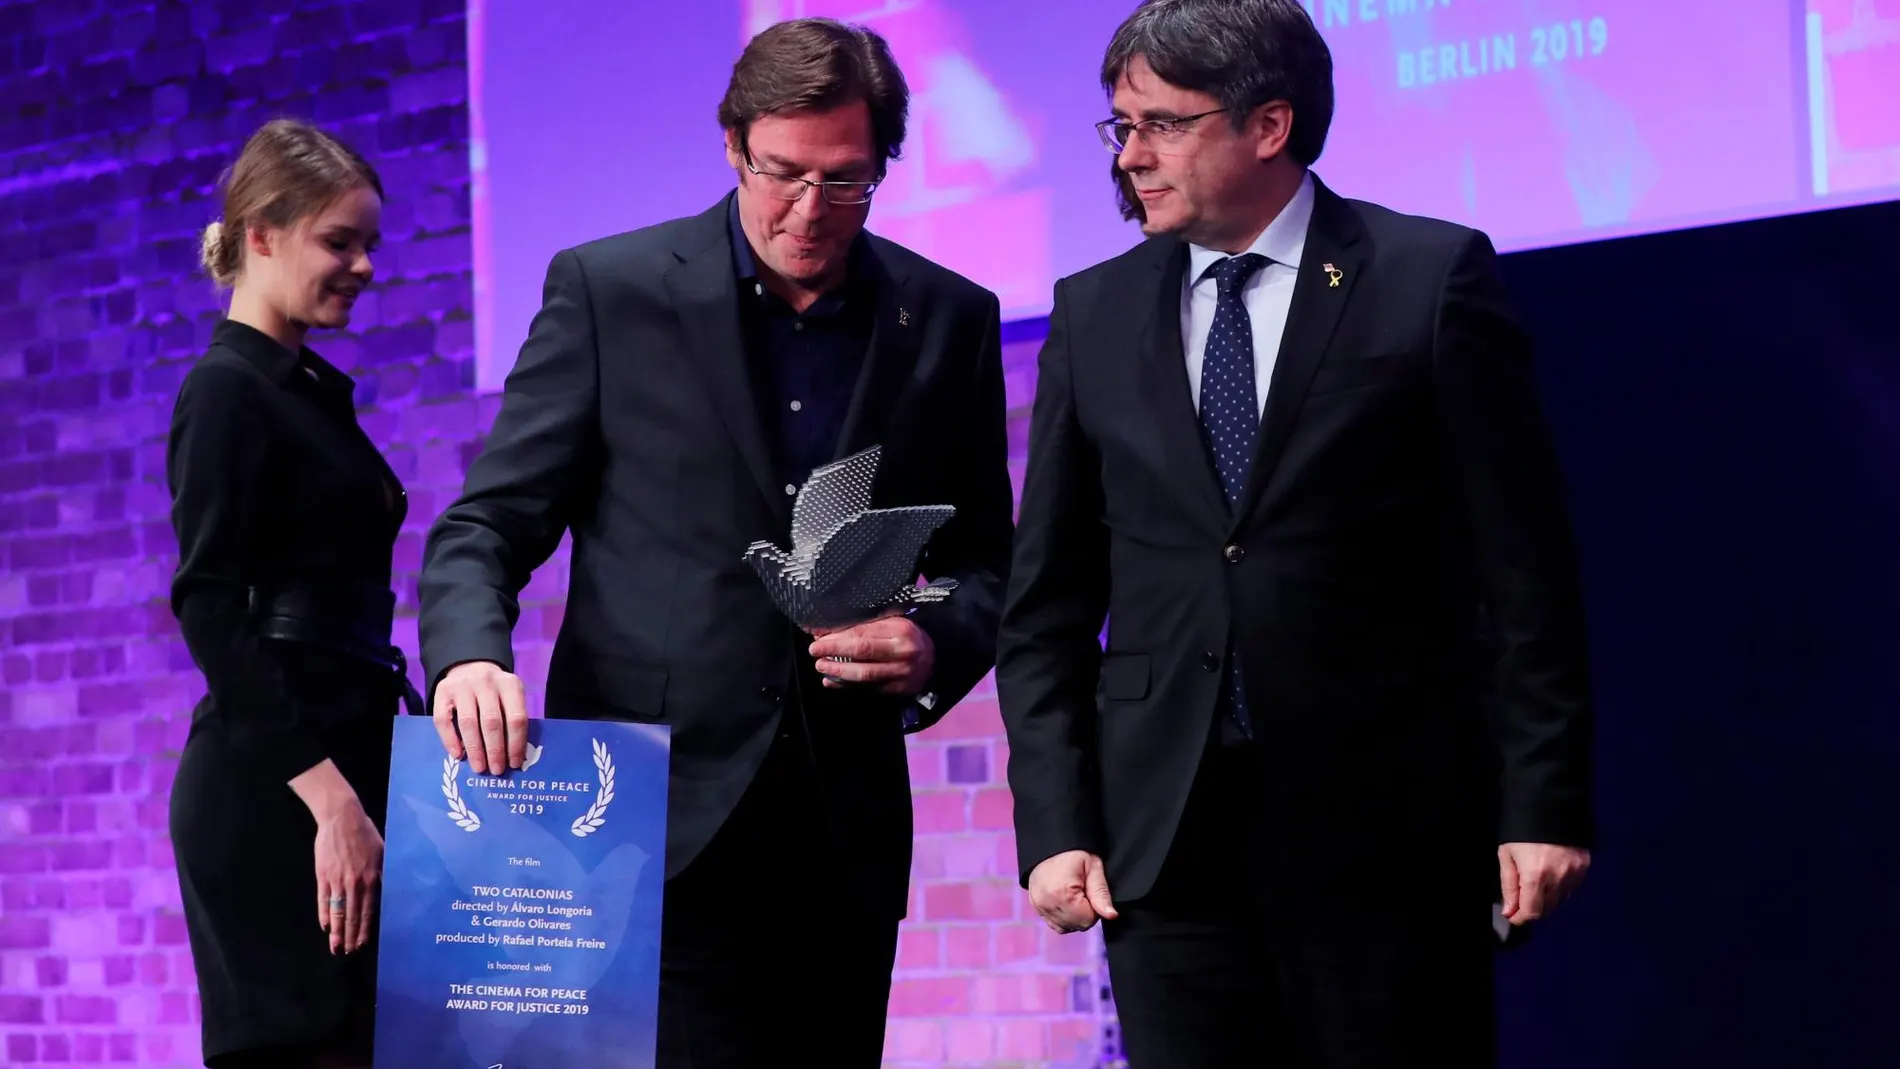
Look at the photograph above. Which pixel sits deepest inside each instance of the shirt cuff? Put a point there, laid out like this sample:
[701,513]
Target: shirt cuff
[919,709]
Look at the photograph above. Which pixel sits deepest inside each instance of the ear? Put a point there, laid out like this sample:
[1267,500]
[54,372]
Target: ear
[734,157]
[259,240]
[1271,127]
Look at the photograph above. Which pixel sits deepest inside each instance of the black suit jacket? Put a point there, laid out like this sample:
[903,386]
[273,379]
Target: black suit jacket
[1404,497]
[629,420]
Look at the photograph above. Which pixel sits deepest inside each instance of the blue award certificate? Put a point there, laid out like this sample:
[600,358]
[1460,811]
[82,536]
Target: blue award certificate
[521,913]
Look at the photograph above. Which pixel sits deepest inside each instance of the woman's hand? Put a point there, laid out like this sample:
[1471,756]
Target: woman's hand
[349,853]
[349,867]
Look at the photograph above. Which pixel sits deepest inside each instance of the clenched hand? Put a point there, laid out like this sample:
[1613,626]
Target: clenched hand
[1070,891]
[1535,877]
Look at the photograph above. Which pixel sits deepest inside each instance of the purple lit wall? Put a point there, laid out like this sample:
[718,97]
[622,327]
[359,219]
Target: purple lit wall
[117,118]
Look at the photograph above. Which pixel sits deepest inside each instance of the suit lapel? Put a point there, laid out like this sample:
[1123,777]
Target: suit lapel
[1330,265]
[705,293]
[890,360]
[1164,378]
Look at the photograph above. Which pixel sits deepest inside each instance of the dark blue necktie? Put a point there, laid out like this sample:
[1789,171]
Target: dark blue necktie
[1230,411]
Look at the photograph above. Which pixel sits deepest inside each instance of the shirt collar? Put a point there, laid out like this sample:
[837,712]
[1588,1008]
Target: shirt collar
[274,360]
[1282,241]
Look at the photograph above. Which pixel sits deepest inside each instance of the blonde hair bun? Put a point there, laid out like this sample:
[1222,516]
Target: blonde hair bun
[218,253]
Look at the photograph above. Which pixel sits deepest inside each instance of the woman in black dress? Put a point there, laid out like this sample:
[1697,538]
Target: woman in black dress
[286,516]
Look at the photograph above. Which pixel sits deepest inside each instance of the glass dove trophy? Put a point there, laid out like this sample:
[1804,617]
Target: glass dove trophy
[849,562]
[520,920]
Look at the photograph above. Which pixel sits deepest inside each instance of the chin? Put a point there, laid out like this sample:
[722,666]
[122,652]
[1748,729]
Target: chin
[1176,224]
[1160,217]
[803,271]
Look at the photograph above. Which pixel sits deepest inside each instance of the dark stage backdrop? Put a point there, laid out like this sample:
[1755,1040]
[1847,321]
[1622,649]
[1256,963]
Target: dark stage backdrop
[1727,404]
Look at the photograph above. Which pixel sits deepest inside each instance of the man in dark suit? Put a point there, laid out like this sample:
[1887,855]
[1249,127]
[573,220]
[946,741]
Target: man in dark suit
[677,387]
[1290,448]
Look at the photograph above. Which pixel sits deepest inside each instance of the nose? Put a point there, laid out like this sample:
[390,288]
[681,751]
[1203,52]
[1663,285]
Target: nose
[363,268]
[813,204]
[1135,154]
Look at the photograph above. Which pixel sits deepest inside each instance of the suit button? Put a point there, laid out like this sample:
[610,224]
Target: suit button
[1210,663]
[1234,554]
[770,694]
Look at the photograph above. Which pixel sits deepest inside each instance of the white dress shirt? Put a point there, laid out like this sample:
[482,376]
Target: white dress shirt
[1268,294]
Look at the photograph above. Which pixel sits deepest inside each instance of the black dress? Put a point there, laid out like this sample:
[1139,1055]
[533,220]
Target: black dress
[277,493]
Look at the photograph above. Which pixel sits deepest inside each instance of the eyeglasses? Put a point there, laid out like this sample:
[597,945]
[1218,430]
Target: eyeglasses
[787,187]
[1158,134]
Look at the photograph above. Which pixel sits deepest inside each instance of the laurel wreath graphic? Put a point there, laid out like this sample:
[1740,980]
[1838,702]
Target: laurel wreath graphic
[589,822]
[459,812]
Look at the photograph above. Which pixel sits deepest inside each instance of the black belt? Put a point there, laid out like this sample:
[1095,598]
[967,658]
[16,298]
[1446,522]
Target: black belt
[351,619]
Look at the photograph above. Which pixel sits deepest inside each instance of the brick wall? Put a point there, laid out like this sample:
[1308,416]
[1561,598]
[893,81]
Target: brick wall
[115,119]
[980,980]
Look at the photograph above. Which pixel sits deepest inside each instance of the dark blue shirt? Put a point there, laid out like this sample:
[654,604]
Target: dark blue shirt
[804,364]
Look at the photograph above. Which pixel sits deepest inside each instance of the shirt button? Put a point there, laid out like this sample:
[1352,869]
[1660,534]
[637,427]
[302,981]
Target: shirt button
[1210,663]
[796,405]
[798,326]
[790,490]
[1234,554]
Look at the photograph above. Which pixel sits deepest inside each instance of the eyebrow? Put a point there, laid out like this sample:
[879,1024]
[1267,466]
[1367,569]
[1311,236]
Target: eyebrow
[343,228]
[1164,114]
[782,165]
